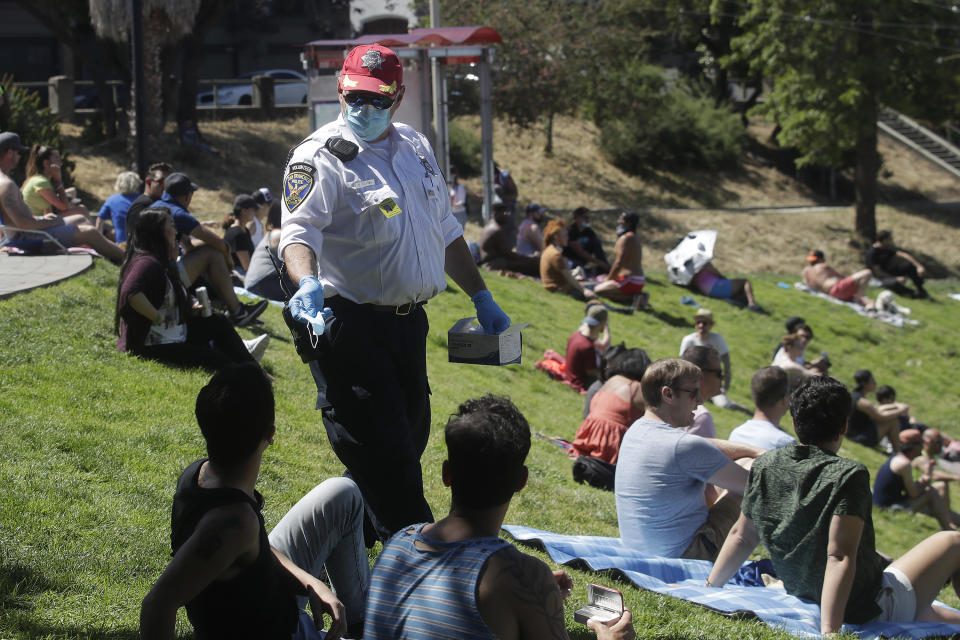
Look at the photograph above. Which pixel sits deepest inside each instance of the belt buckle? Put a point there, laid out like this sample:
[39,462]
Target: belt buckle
[404,309]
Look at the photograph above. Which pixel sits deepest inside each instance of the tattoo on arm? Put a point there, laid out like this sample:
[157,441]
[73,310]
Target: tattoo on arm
[536,589]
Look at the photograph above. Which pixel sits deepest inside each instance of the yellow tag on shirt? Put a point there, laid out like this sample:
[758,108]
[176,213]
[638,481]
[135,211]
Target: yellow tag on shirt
[389,208]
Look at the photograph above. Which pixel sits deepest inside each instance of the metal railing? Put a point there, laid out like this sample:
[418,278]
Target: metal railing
[119,90]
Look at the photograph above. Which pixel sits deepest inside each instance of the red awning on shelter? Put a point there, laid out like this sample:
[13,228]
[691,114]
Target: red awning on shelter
[328,54]
[440,36]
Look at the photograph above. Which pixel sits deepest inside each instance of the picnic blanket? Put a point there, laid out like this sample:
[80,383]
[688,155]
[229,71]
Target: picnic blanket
[684,579]
[894,319]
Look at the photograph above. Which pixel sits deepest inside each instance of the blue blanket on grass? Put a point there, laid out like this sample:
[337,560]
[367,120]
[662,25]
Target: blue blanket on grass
[684,579]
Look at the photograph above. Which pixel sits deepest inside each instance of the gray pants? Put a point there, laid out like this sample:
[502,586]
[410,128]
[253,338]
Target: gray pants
[325,529]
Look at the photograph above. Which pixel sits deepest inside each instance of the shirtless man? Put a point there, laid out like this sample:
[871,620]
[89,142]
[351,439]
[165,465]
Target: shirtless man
[822,277]
[496,250]
[15,213]
[624,283]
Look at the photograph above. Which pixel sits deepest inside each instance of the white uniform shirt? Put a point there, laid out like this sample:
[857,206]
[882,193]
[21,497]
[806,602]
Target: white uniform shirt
[379,224]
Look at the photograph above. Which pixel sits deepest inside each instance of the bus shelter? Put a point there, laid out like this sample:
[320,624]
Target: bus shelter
[423,53]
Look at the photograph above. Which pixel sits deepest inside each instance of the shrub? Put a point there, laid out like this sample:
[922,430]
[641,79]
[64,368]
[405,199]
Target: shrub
[23,115]
[646,122]
[464,149]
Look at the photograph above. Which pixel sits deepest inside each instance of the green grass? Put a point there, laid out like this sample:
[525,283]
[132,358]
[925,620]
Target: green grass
[92,441]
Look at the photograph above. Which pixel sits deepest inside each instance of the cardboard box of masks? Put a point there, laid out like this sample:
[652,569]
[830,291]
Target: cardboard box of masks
[467,343]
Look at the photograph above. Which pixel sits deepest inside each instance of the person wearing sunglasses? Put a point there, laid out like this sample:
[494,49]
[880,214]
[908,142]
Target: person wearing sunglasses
[704,336]
[677,493]
[369,235]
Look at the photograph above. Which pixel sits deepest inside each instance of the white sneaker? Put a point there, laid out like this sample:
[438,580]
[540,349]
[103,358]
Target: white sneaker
[257,346]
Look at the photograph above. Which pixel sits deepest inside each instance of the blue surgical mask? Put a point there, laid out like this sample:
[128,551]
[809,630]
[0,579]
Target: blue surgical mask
[367,122]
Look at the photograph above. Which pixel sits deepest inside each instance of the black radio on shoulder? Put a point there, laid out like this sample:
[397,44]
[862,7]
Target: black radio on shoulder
[344,150]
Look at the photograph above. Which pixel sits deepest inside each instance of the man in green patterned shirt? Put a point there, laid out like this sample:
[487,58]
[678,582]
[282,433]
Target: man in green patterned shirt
[812,511]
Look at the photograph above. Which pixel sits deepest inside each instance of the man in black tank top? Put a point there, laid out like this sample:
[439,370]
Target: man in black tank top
[234,580]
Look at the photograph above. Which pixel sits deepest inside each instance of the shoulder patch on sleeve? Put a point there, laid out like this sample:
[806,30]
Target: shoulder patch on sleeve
[297,184]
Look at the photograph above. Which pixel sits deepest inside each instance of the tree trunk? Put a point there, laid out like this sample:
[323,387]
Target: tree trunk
[548,148]
[865,176]
[192,55]
[155,29]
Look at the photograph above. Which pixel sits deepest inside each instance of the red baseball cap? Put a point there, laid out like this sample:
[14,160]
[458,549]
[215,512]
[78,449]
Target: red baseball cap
[372,68]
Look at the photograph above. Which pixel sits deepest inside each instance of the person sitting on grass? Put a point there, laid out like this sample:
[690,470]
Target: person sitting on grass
[707,360]
[887,401]
[153,317]
[892,266]
[235,580]
[624,282]
[770,388]
[791,348]
[584,248]
[869,423]
[15,213]
[677,494]
[554,271]
[712,283]
[44,190]
[926,462]
[209,257]
[456,578]
[264,200]
[115,207]
[705,337]
[812,511]
[236,233]
[262,278]
[616,406]
[820,276]
[584,347]
[797,325]
[496,250]
[529,236]
[894,485]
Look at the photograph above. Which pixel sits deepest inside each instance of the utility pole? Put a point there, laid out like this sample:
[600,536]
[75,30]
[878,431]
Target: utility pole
[439,86]
[136,44]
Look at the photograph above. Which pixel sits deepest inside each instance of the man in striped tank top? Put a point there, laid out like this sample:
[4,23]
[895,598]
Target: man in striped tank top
[456,578]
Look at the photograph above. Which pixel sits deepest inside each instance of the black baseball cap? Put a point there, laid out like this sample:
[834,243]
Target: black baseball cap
[243,201]
[10,140]
[178,184]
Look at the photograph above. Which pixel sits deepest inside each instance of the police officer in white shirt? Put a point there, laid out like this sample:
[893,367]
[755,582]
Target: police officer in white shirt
[368,230]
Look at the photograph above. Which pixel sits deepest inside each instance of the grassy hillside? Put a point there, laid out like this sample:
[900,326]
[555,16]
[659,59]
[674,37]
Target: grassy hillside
[769,240]
[93,440]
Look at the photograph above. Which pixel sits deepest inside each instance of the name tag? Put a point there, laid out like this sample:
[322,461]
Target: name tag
[363,183]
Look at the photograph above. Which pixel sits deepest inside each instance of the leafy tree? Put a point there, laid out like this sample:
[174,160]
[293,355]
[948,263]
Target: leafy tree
[540,62]
[833,63]
[20,112]
[67,20]
[697,31]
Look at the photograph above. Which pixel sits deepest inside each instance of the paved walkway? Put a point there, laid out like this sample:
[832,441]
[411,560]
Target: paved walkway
[22,273]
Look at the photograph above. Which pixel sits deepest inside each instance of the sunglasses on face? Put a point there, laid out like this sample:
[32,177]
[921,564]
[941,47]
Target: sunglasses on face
[357,100]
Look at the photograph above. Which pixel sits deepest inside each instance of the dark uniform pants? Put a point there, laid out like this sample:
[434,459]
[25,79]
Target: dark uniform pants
[379,419]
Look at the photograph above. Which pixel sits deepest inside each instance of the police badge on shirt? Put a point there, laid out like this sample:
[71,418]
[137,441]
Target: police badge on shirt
[297,184]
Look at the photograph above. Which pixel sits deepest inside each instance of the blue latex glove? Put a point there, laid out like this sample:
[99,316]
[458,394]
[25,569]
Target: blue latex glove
[306,305]
[491,317]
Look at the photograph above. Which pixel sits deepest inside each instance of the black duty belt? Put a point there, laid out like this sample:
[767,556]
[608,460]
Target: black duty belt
[396,309]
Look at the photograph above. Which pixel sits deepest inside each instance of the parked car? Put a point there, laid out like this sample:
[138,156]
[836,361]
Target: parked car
[283,92]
